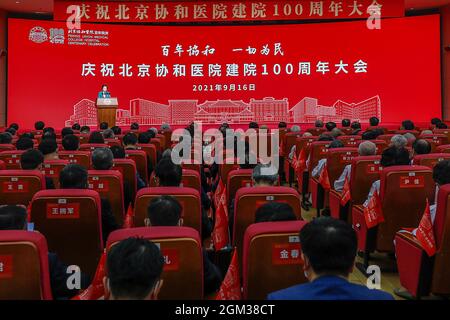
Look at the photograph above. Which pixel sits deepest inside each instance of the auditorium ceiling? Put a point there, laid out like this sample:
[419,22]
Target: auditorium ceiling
[46,6]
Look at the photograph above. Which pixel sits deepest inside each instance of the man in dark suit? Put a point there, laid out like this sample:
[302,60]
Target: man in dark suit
[328,250]
[33,160]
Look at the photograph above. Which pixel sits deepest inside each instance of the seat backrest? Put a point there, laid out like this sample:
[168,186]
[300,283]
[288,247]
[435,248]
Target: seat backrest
[71,221]
[2,165]
[83,158]
[445,148]
[365,171]
[189,199]
[192,166]
[92,146]
[414,132]
[445,132]
[11,158]
[127,167]
[403,193]
[237,179]
[52,168]
[430,160]
[150,150]
[386,137]
[181,248]
[441,278]
[316,131]
[19,186]
[350,141]
[157,143]
[381,145]
[113,142]
[109,185]
[189,179]
[290,140]
[225,168]
[162,139]
[7,147]
[140,158]
[319,150]
[337,159]
[438,139]
[304,143]
[24,270]
[249,199]
[271,252]
[168,136]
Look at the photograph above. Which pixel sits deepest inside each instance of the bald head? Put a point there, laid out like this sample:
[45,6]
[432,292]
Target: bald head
[367,148]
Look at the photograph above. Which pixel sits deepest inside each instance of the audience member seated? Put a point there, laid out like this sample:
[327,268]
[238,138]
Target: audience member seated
[103,126]
[336,132]
[328,251]
[356,126]
[408,125]
[85,130]
[49,149]
[345,123]
[74,176]
[71,142]
[39,126]
[103,159]
[119,153]
[5,138]
[96,137]
[410,138]
[330,126]
[366,148]
[15,218]
[133,270]
[391,156]
[24,144]
[421,146]
[441,176]
[318,124]
[274,211]
[130,141]
[76,127]
[369,135]
[66,131]
[117,130]
[399,141]
[108,134]
[165,211]
[322,162]
[441,125]
[169,174]
[33,160]
[134,126]
[49,134]
[374,121]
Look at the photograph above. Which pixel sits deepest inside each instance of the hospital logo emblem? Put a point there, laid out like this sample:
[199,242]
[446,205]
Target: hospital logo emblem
[38,35]
[57,36]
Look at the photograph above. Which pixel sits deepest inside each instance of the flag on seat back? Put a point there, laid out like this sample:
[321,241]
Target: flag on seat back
[301,161]
[346,196]
[425,233]
[324,180]
[373,213]
[128,221]
[218,193]
[220,234]
[231,285]
[96,290]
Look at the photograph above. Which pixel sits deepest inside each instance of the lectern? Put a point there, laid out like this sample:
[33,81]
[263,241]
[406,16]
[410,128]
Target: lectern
[106,110]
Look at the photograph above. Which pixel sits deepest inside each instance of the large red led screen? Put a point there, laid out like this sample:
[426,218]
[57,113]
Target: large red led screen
[271,73]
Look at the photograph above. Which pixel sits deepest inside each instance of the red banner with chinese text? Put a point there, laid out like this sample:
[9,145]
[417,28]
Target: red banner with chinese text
[212,11]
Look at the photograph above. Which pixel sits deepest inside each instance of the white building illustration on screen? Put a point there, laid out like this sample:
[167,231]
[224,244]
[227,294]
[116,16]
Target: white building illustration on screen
[266,110]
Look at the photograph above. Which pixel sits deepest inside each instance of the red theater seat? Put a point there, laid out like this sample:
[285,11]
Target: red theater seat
[83,158]
[443,148]
[19,186]
[403,193]
[2,165]
[189,199]
[192,166]
[7,147]
[381,145]
[71,221]
[319,150]
[24,272]
[249,199]
[52,168]
[365,171]
[316,131]
[225,168]
[271,253]
[303,143]
[420,274]
[350,141]
[140,158]
[11,158]
[150,150]
[386,137]
[182,251]
[337,159]
[127,168]
[109,185]
[438,139]
[237,179]
[113,142]
[445,132]
[92,146]
[430,160]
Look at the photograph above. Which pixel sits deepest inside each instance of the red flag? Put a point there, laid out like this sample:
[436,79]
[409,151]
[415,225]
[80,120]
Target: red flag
[346,196]
[128,222]
[294,162]
[372,213]
[231,285]
[218,193]
[324,180]
[96,290]
[220,235]
[301,162]
[425,233]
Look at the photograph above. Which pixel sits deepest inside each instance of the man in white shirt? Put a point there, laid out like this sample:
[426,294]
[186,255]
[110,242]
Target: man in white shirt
[322,162]
[366,148]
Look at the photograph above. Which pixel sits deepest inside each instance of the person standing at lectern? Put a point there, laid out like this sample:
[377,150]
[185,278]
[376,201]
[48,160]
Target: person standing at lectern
[104,93]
